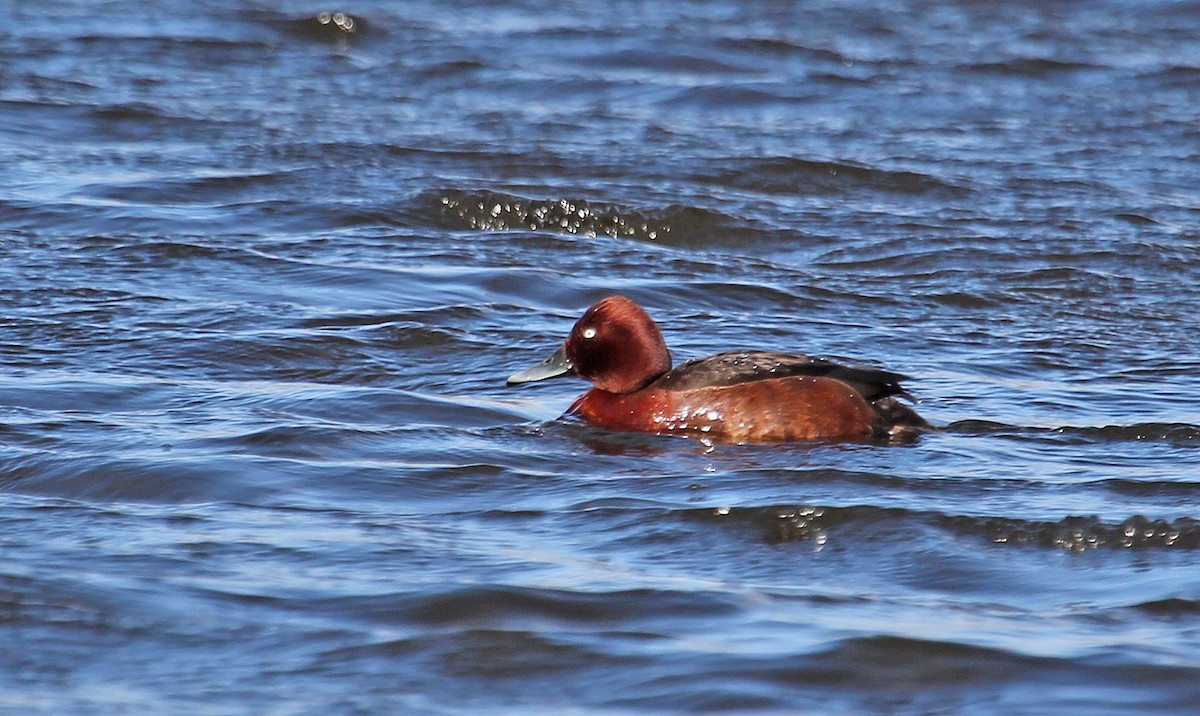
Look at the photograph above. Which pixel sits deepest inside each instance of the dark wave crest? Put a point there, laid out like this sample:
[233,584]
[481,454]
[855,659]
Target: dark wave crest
[680,226]
[786,523]
[792,175]
[1174,433]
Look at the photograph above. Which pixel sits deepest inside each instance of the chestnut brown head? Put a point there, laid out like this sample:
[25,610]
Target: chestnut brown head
[615,345]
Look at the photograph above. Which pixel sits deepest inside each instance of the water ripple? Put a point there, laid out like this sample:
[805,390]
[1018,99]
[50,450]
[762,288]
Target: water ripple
[678,226]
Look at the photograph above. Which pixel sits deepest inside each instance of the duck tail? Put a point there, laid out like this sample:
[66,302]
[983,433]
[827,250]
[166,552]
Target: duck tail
[899,422]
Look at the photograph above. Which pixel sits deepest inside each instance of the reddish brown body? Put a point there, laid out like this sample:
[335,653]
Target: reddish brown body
[743,397]
[777,410]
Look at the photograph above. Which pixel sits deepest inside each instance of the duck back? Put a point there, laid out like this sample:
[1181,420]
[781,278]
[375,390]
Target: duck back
[736,367]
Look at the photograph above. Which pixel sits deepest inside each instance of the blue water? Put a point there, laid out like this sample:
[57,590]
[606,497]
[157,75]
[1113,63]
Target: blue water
[263,278]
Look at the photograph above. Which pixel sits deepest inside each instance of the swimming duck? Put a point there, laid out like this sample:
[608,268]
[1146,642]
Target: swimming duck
[736,397]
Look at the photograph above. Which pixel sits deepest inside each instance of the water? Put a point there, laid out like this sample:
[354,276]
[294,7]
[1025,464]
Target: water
[264,278]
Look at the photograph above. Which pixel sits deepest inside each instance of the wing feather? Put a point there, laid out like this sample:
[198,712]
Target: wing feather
[744,366]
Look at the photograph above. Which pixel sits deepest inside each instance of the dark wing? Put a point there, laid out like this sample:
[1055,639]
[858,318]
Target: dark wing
[744,366]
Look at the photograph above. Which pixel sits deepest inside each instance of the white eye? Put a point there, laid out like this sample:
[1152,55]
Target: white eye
[589,333]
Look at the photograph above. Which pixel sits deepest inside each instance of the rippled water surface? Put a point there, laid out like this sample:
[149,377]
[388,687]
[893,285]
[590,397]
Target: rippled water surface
[265,271]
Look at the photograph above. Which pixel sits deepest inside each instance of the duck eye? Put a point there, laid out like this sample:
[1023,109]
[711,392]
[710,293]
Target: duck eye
[589,333]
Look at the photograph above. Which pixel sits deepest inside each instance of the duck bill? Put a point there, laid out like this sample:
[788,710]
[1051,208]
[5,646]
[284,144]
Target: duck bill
[555,365]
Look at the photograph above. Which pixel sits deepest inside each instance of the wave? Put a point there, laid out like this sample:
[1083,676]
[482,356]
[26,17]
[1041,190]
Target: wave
[945,671]
[792,175]
[785,523]
[1170,607]
[511,603]
[675,225]
[326,26]
[164,478]
[534,637]
[199,189]
[1173,433]
[1036,67]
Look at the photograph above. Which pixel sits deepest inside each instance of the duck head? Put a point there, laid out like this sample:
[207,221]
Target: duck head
[615,345]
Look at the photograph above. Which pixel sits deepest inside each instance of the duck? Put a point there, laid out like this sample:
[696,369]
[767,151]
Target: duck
[740,397]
